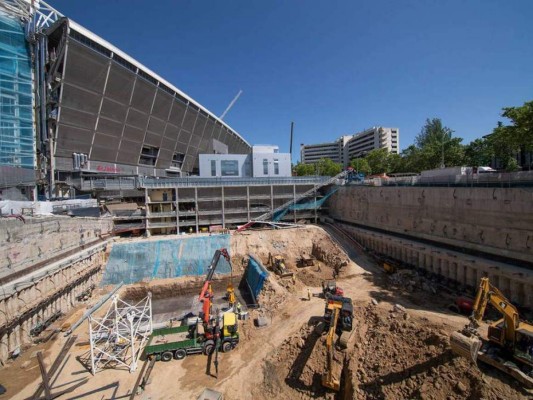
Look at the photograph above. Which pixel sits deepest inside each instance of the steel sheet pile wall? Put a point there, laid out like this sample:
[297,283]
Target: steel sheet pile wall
[157,259]
[255,275]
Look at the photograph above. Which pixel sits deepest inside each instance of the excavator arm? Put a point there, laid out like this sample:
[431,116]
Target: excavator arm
[328,379]
[207,292]
[467,343]
[489,294]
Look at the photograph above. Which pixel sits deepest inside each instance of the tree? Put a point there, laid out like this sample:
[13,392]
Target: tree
[437,146]
[521,131]
[302,169]
[361,165]
[478,152]
[326,167]
[378,160]
[396,163]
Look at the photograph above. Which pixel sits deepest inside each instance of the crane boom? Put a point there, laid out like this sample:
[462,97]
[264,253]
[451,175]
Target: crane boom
[231,105]
[207,292]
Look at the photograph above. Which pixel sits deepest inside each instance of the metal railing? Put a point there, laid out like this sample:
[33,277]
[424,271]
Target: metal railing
[328,181]
[154,183]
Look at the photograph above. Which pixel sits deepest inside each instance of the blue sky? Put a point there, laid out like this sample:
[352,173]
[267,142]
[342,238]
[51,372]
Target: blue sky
[332,67]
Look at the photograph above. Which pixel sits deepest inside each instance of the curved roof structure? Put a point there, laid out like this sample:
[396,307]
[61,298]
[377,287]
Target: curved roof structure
[117,116]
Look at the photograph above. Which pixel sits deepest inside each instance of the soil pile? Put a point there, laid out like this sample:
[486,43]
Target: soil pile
[391,355]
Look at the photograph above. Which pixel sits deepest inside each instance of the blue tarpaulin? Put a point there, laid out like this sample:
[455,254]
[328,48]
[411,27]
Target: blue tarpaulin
[255,275]
[170,258]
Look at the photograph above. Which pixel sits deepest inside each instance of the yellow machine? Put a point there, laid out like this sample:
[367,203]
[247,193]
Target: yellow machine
[339,316]
[278,265]
[329,379]
[509,339]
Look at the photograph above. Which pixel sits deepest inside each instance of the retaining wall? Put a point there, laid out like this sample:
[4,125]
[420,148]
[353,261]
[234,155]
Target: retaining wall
[38,239]
[34,298]
[516,283]
[496,221]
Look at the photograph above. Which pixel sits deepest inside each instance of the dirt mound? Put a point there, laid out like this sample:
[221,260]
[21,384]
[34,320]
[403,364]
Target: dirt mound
[390,356]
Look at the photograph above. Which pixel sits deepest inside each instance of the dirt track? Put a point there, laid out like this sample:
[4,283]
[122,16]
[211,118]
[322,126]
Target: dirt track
[392,354]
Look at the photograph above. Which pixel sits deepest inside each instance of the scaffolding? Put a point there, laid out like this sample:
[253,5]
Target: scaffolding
[118,338]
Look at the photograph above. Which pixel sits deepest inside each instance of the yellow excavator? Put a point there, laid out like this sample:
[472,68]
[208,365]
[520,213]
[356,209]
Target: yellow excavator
[510,341]
[338,317]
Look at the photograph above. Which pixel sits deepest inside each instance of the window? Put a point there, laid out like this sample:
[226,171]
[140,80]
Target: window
[177,160]
[276,166]
[213,168]
[265,166]
[229,168]
[148,155]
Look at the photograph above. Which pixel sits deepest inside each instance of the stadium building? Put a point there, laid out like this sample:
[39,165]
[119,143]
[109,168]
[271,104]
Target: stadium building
[87,108]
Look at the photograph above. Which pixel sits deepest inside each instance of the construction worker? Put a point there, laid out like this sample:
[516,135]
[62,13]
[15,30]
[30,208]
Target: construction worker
[238,310]
[293,280]
[308,294]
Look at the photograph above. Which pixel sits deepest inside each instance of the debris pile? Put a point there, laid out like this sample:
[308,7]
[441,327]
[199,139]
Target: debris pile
[412,281]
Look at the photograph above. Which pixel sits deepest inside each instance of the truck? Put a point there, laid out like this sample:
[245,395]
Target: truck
[181,341]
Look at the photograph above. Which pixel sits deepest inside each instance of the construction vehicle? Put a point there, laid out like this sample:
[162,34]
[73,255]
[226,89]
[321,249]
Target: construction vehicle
[277,263]
[206,294]
[181,341]
[510,341]
[305,261]
[338,317]
[330,288]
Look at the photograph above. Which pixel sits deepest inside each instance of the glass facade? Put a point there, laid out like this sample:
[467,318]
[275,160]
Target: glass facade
[229,168]
[16,115]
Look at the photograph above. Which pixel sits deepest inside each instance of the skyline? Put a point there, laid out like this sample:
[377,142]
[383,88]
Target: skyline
[334,69]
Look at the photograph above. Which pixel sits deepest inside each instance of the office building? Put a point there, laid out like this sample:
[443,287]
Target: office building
[349,147]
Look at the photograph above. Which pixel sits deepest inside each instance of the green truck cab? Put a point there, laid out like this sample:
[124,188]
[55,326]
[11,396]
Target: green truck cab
[178,342]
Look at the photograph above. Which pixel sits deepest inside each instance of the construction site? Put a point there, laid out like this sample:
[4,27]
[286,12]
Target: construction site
[149,251]
[338,309]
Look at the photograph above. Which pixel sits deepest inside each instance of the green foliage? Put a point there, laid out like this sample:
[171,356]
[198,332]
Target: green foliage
[304,169]
[511,164]
[326,167]
[361,165]
[378,161]
[521,131]
[437,147]
[478,153]
[396,163]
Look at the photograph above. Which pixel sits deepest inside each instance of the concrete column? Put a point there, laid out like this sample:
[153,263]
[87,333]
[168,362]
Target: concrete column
[147,208]
[294,202]
[196,206]
[271,197]
[470,278]
[453,271]
[461,273]
[248,202]
[517,290]
[177,211]
[316,212]
[444,268]
[223,208]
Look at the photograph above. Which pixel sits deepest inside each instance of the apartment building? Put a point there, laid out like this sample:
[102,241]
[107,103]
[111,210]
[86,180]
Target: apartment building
[377,137]
[312,153]
[348,147]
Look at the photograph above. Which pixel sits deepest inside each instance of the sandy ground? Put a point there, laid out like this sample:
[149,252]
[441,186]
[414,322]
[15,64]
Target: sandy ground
[393,354]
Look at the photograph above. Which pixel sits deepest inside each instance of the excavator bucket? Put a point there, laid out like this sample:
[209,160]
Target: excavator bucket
[465,346]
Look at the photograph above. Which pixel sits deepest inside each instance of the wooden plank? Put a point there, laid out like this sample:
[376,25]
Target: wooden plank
[57,363]
[138,381]
[44,375]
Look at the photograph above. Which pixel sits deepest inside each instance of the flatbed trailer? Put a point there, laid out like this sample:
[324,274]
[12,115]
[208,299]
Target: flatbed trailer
[180,341]
[176,342]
